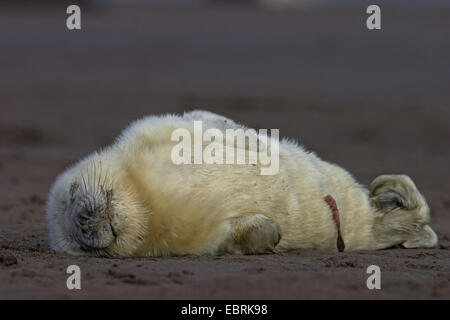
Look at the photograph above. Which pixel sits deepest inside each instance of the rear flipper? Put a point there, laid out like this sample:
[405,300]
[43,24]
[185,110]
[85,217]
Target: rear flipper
[253,234]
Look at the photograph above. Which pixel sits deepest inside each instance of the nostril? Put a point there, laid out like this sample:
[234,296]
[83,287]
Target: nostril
[83,218]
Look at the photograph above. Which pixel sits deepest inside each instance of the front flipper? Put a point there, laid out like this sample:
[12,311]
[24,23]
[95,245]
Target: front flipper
[253,234]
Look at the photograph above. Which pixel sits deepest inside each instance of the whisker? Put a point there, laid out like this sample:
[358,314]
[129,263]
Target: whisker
[99,179]
[63,244]
[104,179]
[94,178]
[84,182]
[89,177]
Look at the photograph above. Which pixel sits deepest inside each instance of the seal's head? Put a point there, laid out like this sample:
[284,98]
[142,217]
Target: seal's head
[89,214]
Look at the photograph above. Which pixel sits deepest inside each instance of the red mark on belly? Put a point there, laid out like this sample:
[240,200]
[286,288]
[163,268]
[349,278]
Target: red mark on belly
[335,211]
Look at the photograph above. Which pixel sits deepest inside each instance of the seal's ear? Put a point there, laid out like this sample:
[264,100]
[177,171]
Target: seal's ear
[388,192]
[424,238]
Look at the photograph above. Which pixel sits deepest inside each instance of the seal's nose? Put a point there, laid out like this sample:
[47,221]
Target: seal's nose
[90,221]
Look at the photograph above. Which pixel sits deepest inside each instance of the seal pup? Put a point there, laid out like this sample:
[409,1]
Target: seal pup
[131,200]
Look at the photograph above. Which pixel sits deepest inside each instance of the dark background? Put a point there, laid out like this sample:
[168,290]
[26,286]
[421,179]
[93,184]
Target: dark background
[371,101]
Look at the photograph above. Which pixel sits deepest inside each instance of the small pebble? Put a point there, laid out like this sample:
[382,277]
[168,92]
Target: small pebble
[8,260]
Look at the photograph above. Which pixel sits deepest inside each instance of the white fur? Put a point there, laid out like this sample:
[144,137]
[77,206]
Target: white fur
[165,209]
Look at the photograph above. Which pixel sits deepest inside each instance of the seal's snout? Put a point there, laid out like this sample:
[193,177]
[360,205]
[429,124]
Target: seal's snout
[90,220]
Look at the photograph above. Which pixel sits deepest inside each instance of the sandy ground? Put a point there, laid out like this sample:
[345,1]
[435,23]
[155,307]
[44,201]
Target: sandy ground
[373,102]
